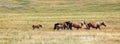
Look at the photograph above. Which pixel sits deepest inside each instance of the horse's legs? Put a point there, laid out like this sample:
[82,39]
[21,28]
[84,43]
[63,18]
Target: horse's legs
[57,28]
[78,28]
[67,27]
[33,28]
[88,27]
[98,27]
[38,27]
[54,28]
[64,27]
[70,27]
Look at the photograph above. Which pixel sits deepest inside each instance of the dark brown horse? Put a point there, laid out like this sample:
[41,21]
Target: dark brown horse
[37,26]
[60,26]
[95,25]
[68,24]
[77,25]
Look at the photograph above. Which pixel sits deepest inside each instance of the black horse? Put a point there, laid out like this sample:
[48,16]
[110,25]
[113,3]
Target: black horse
[68,24]
[60,26]
[64,25]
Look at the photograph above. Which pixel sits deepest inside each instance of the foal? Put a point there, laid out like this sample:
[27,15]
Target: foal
[37,26]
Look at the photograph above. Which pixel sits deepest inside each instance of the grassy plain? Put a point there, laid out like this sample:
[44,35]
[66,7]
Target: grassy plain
[17,17]
[16,28]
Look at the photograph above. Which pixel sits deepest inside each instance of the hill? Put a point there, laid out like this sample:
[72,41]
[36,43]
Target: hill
[50,6]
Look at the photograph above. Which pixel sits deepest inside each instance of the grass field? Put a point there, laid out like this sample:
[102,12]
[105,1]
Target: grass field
[16,28]
[18,16]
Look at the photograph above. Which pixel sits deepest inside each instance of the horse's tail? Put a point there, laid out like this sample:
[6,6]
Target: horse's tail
[55,26]
[33,27]
[70,26]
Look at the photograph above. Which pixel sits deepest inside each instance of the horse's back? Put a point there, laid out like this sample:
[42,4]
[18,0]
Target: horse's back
[76,24]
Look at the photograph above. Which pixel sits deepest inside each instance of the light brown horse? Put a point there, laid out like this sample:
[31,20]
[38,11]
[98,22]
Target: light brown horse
[95,25]
[77,25]
[37,26]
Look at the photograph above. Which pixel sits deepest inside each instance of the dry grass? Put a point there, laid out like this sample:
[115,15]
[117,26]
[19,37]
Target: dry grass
[17,17]
[16,28]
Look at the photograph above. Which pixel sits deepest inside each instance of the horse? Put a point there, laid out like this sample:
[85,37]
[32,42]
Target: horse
[95,25]
[60,26]
[68,23]
[77,25]
[37,26]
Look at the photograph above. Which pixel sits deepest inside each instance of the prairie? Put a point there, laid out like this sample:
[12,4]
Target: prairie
[18,16]
[17,28]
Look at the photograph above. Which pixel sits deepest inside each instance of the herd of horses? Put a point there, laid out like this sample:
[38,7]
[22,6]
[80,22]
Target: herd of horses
[78,25]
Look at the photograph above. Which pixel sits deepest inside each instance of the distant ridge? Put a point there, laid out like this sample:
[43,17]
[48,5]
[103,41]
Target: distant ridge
[55,6]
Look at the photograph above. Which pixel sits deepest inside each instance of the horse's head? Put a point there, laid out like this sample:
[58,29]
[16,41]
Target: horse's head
[68,22]
[83,22]
[103,23]
[40,26]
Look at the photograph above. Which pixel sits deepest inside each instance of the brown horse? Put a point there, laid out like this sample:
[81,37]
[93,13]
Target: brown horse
[37,26]
[60,26]
[76,25]
[95,25]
